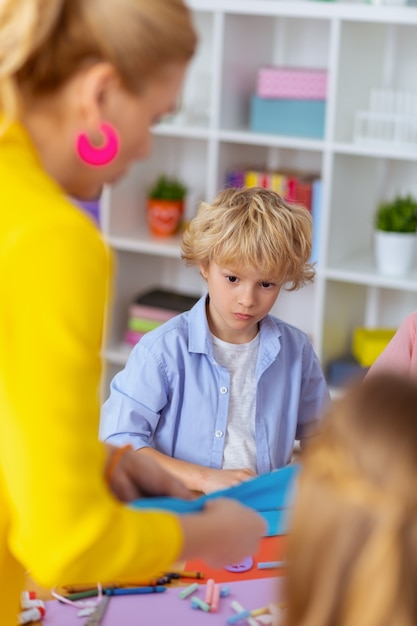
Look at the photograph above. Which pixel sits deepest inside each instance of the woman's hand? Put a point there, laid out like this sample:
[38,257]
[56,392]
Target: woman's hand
[224,532]
[136,476]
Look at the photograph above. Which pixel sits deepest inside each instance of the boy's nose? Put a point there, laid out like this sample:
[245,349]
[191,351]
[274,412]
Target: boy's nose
[246,297]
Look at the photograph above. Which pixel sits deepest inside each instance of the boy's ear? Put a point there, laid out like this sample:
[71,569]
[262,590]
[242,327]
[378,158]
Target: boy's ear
[94,90]
[203,270]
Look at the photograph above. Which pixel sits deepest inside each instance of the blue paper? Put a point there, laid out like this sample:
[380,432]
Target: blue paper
[269,494]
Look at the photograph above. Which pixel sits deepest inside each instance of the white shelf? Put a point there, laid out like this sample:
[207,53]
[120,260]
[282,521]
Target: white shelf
[361,270]
[363,47]
[245,136]
[181,130]
[312,10]
[117,354]
[146,244]
[382,150]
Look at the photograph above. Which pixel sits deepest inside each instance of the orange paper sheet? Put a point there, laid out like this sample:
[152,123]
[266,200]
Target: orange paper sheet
[271,549]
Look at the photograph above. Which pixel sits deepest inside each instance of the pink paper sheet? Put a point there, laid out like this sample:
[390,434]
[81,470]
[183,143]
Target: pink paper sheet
[167,609]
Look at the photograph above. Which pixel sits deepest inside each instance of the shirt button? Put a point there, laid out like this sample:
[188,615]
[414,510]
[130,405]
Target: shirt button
[219,433]
[223,389]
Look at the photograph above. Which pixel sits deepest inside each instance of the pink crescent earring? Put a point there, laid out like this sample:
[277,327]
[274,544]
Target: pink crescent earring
[99,156]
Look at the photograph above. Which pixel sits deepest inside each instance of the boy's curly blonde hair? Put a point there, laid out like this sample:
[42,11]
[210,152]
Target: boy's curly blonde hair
[253,228]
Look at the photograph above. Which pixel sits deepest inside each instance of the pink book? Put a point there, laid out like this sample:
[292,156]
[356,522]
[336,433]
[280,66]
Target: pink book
[292,83]
[132,337]
[151,312]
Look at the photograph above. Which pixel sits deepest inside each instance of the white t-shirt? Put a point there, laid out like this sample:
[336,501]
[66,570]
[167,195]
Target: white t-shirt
[240,361]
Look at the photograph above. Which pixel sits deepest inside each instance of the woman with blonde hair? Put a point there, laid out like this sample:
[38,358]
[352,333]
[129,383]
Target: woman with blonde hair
[353,537]
[81,83]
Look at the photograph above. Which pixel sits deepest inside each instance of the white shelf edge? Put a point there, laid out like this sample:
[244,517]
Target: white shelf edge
[181,131]
[117,354]
[382,151]
[351,272]
[279,141]
[170,248]
[313,10]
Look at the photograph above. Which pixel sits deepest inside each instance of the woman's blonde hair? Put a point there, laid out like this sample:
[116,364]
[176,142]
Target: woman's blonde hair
[353,536]
[43,43]
[253,228]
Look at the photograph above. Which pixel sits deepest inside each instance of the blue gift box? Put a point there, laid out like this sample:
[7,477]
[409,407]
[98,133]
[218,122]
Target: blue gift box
[296,118]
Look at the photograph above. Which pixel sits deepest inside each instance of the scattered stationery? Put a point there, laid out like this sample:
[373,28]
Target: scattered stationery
[156,609]
[96,618]
[134,591]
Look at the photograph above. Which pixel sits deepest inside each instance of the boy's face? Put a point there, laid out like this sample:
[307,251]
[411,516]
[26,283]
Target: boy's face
[239,299]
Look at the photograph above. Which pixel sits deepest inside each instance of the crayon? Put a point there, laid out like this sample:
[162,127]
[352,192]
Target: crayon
[188,591]
[127,591]
[271,564]
[191,574]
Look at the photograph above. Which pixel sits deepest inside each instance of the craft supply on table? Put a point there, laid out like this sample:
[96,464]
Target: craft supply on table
[188,591]
[271,564]
[134,591]
[167,608]
[243,566]
[96,618]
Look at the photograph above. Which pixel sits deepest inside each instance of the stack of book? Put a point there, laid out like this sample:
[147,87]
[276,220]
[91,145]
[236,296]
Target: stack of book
[293,186]
[152,308]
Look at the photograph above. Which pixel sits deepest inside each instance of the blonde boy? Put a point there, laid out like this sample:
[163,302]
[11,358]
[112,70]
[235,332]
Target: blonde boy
[219,394]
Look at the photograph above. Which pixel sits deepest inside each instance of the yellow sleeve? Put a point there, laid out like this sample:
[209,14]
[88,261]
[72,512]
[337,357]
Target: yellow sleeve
[64,524]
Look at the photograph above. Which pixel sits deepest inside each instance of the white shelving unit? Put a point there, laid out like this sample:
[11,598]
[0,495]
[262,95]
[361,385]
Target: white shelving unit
[363,47]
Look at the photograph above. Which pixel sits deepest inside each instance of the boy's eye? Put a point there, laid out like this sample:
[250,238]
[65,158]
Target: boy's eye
[231,279]
[266,284]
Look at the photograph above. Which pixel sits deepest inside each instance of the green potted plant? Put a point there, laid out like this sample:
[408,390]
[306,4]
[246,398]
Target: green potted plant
[395,235]
[165,205]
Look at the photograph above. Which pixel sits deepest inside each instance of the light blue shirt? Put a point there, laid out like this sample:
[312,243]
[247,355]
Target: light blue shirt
[173,396]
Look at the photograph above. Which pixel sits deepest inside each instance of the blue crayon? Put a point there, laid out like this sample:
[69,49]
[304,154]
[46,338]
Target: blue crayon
[239,616]
[128,591]
[271,564]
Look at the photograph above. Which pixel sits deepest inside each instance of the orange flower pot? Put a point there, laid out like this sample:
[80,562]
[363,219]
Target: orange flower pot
[164,216]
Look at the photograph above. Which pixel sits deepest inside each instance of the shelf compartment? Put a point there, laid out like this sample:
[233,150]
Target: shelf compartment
[285,41]
[184,158]
[348,306]
[236,155]
[372,56]
[359,183]
[135,273]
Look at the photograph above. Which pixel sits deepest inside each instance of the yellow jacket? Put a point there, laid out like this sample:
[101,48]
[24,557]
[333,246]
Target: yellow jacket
[58,519]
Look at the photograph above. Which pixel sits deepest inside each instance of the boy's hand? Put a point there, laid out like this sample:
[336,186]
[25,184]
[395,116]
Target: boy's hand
[216,479]
[137,476]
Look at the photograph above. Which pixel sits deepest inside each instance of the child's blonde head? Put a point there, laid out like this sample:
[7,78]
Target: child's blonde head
[43,43]
[353,536]
[252,228]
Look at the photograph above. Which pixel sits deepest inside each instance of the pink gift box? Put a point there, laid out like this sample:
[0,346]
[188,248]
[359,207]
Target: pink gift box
[292,83]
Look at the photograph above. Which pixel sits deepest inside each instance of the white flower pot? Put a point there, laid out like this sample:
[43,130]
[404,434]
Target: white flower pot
[394,252]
